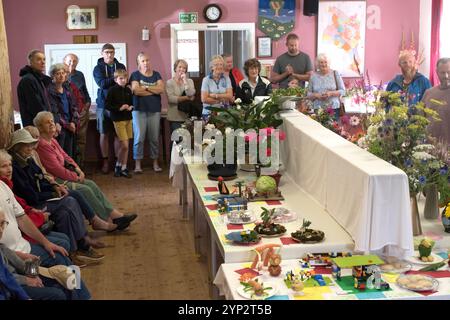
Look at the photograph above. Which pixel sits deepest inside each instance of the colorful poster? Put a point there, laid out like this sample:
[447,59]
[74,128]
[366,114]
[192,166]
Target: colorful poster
[341,35]
[276,17]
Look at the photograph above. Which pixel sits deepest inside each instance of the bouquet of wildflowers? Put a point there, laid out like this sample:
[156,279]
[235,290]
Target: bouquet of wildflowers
[395,133]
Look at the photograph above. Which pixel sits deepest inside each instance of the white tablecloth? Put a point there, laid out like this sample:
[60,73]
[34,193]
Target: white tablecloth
[366,195]
[227,281]
[336,238]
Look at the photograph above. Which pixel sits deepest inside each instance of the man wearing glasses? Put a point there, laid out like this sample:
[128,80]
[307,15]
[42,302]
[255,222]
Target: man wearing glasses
[104,77]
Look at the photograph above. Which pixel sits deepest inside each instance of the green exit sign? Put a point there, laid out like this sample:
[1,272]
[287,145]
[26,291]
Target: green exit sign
[188,17]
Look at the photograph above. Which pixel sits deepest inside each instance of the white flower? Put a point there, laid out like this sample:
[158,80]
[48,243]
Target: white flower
[238,107]
[238,101]
[421,155]
[424,147]
[210,126]
[354,121]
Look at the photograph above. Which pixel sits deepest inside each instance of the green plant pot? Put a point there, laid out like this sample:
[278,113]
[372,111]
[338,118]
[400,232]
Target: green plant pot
[424,251]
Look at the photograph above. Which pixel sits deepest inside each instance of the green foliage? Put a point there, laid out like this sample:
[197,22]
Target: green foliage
[247,116]
[283,92]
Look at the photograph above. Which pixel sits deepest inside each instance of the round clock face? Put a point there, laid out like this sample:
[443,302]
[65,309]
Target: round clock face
[213,13]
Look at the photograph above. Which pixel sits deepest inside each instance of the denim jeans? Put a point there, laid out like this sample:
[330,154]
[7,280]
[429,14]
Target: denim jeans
[146,124]
[62,240]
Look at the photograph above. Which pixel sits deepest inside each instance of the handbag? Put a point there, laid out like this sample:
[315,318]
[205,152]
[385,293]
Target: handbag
[341,104]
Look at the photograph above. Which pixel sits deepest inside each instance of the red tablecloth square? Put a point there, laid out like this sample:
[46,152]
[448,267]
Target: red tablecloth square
[273,202]
[211,189]
[211,206]
[235,226]
[434,274]
[247,270]
[322,270]
[287,240]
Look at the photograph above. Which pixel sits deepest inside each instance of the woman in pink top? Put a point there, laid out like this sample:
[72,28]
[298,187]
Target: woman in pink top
[63,167]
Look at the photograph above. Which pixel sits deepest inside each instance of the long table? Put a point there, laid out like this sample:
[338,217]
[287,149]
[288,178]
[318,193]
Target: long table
[227,280]
[367,196]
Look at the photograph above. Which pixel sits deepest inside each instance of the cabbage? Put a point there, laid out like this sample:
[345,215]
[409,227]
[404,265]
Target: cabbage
[266,184]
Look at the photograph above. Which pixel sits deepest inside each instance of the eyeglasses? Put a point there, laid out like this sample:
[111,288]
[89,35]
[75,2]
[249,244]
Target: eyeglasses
[4,224]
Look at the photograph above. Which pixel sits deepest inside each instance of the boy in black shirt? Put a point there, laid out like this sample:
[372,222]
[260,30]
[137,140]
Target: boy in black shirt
[119,103]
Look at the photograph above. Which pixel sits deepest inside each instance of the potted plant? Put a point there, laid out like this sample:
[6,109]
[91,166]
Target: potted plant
[255,123]
[267,227]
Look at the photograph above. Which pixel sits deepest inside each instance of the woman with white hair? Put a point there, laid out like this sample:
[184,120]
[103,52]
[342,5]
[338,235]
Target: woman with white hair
[216,87]
[325,86]
[28,182]
[64,106]
[65,169]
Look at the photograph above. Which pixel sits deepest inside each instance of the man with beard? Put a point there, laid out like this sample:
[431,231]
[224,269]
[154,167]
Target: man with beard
[438,98]
[411,84]
[293,64]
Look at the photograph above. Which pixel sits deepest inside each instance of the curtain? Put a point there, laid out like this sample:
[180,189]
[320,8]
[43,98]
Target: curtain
[436,13]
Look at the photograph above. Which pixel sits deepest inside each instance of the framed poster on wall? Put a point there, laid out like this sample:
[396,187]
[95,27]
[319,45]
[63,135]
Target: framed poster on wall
[341,35]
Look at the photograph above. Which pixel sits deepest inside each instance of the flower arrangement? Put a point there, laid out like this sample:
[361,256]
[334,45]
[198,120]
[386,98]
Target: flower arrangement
[397,134]
[257,122]
[424,169]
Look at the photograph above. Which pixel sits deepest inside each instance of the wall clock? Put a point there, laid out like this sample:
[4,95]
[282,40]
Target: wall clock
[212,13]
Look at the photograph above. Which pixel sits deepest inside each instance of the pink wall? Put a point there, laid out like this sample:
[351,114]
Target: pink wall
[31,24]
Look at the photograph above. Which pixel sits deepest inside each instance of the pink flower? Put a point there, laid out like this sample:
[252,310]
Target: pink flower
[330,111]
[345,120]
[269,152]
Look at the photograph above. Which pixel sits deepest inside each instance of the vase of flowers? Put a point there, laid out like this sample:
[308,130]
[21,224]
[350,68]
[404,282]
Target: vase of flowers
[254,123]
[431,209]
[416,225]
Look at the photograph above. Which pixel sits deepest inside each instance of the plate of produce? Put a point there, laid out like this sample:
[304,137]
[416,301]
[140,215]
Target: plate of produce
[255,290]
[240,217]
[417,282]
[246,237]
[283,215]
[270,230]
[431,259]
[396,267]
[306,235]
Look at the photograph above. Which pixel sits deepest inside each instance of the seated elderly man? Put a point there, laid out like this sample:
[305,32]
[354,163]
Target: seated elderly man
[49,253]
[30,184]
[63,167]
[411,84]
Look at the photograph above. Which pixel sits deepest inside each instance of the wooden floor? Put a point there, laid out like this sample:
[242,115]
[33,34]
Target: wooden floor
[154,258]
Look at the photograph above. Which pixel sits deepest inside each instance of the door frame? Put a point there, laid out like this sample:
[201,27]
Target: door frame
[174,27]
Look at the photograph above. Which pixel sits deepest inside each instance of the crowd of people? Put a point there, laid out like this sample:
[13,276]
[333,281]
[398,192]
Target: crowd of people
[45,196]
